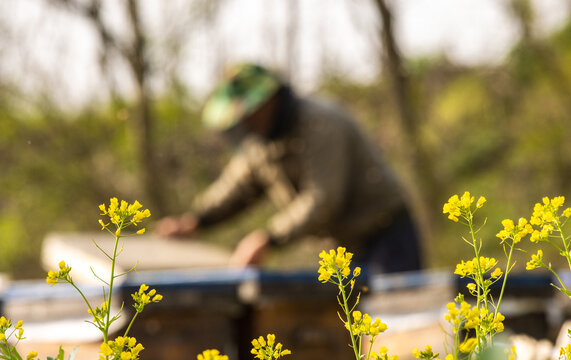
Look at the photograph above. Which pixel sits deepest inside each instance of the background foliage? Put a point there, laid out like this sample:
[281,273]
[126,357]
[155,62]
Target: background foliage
[499,131]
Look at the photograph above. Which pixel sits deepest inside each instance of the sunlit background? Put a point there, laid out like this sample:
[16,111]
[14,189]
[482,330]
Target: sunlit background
[99,99]
[102,98]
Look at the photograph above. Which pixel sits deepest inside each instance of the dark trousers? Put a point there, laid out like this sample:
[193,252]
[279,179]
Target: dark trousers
[395,248]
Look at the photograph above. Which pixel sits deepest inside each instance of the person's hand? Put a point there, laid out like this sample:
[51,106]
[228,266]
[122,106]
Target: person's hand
[251,250]
[177,226]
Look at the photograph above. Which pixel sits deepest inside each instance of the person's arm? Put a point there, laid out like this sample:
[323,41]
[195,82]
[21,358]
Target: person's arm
[235,189]
[231,192]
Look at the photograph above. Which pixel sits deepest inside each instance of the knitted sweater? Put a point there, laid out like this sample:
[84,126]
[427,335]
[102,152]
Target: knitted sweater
[323,174]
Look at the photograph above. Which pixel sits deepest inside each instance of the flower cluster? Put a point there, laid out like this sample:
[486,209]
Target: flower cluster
[123,215]
[99,313]
[122,348]
[565,352]
[336,264]
[383,354]
[211,354]
[427,354]
[363,325]
[457,207]
[268,349]
[142,297]
[62,274]
[462,316]
[514,232]
[473,267]
[6,332]
[536,261]
[546,216]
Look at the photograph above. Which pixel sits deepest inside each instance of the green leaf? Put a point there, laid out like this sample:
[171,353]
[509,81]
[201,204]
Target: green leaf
[61,354]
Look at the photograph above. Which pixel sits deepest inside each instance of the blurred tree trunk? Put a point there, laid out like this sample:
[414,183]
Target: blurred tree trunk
[422,185]
[143,120]
[291,40]
[134,51]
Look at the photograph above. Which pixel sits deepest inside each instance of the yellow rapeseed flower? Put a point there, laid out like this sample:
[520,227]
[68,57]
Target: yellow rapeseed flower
[123,214]
[496,273]
[514,232]
[468,345]
[457,207]
[31,355]
[124,348]
[536,261]
[105,349]
[335,264]
[480,202]
[268,350]
[63,274]
[211,354]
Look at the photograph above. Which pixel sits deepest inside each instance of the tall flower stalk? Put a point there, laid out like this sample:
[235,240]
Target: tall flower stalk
[474,327]
[548,221]
[120,217]
[335,269]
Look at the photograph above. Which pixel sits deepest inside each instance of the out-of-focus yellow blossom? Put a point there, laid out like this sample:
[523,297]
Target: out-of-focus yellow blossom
[211,354]
[565,352]
[382,355]
[99,313]
[426,354]
[480,202]
[496,273]
[511,353]
[468,345]
[536,261]
[31,355]
[465,315]
[268,350]
[123,348]
[335,264]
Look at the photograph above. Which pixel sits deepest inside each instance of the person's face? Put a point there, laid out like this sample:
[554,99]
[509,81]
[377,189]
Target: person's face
[261,121]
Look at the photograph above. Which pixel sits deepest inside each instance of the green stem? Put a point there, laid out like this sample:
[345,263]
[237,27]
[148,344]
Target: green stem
[565,244]
[480,280]
[131,324]
[345,307]
[86,302]
[558,279]
[113,260]
[505,279]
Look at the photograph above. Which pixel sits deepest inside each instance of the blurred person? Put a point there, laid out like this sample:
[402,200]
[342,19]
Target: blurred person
[312,160]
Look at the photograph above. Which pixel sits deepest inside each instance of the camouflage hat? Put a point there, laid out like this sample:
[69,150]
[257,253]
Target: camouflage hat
[245,89]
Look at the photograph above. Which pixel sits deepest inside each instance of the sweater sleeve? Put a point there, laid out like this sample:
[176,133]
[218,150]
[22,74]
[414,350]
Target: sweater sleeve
[234,190]
[325,168]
